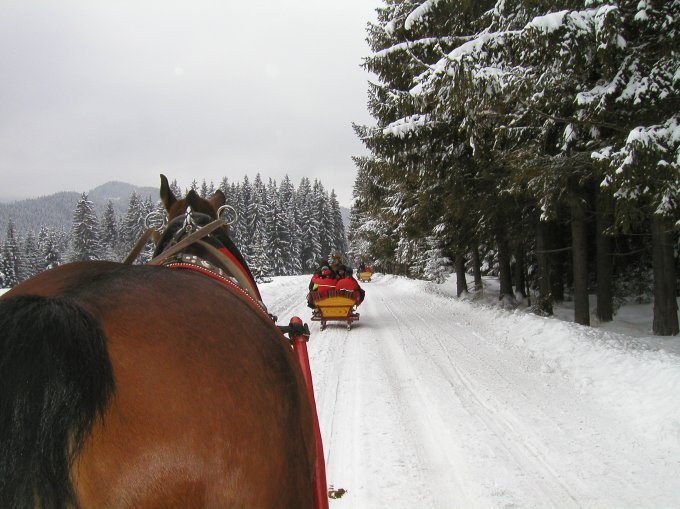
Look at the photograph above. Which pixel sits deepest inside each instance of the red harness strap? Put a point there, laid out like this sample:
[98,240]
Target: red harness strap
[229,255]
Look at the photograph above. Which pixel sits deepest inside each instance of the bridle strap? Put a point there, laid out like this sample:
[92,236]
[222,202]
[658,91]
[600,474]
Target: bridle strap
[187,241]
[134,253]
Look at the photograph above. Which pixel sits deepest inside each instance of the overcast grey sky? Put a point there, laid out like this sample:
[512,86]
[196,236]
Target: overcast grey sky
[93,91]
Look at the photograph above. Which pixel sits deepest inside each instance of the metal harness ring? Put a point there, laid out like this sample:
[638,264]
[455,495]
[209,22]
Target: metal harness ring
[227,207]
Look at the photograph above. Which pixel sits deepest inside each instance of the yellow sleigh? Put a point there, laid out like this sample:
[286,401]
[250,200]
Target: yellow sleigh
[337,305]
[364,277]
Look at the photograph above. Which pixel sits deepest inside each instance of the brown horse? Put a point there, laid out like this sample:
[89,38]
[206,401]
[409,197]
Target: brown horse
[142,386]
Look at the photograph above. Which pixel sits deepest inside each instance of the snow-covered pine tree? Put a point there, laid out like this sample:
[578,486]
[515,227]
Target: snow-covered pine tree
[257,215]
[310,251]
[633,109]
[409,150]
[237,229]
[176,189]
[225,188]
[108,234]
[48,246]
[85,232]
[582,78]
[259,260]
[371,235]
[10,264]
[203,191]
[245,217]
[275,235]
[291,229]
[338,227]
[31,260]
[132,226]
[323,217]
[437,265]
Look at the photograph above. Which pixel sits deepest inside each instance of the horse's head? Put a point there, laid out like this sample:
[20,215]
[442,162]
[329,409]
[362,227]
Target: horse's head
[203,212]
[177,207]
[183,226]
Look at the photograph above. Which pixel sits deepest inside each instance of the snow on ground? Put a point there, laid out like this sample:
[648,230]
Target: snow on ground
[435,402]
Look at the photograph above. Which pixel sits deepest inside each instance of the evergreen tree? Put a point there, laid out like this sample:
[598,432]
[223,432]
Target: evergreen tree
[499,123]
[176,189]
[323,220]
[310,251]
[247,222]
[203,192]
[256,212]
[292,241]
[276,238]
[10,264]
[48,247]
[85,232]
[225,188]
[339,238]
[259,261]
[31,257]
[238,228]
[132,226]
[437,265]
[109,235]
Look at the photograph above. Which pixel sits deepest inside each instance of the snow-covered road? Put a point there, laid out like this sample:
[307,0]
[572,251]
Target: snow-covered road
[432,402]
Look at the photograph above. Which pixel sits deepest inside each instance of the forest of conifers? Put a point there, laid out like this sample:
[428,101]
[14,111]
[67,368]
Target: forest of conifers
[280,229]
[535,140]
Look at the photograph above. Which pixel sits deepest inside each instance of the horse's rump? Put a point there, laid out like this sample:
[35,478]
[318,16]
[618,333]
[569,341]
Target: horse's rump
[209,408]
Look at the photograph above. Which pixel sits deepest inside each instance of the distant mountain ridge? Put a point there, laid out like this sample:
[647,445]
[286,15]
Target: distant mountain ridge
[56,210]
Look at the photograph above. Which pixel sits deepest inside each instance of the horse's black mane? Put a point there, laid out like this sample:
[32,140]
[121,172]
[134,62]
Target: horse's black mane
[45,417]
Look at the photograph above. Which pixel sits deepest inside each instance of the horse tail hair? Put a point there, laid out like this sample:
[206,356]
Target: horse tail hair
[55,380]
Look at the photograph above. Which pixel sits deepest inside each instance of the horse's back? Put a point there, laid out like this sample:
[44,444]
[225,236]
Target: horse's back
[209,408]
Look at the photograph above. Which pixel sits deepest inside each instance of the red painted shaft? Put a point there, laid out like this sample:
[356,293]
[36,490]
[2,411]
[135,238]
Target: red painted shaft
[320,487]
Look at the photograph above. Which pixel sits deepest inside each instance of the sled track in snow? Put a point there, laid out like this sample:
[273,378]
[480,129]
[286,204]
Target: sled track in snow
[425,404]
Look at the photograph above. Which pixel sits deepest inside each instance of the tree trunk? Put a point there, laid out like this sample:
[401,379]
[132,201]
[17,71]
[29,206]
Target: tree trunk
[461,282]
[520,283]
[477,268]
[603,243]
[579,240]
[665,301]
[504,263]
[557,236]
[544,302]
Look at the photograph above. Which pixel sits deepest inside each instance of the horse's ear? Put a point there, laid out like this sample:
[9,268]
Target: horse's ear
[167,196]
[217,199]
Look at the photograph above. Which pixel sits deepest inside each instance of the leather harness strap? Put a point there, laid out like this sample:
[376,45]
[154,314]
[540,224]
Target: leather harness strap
[220,264]
[187,241]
